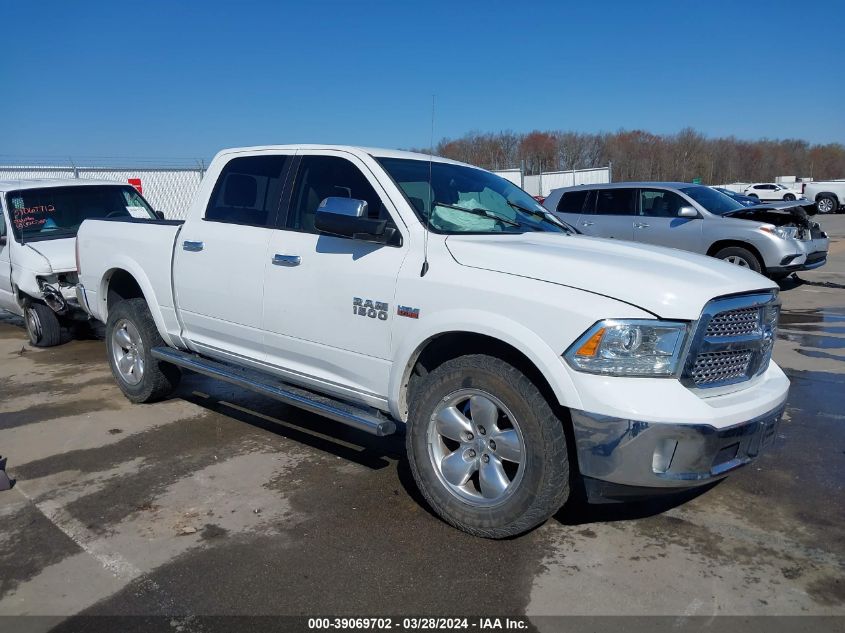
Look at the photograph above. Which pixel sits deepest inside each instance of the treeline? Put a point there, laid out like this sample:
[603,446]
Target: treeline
[639,155]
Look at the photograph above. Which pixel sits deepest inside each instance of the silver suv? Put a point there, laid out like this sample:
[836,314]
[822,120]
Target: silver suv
[769,238]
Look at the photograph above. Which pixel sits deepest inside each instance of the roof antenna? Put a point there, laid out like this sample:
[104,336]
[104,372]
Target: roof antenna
[424,268]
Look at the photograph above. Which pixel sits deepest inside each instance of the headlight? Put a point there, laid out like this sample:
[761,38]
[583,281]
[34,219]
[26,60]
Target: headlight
[783,232]
[629,348]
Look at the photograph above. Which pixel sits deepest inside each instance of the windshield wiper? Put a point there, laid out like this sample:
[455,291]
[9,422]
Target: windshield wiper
[478,211]
[543,215]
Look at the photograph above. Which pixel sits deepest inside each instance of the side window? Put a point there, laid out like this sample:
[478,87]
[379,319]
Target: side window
[572,201]
[616,202]
[658,203]
[2,221]
[248,191]
[321,177]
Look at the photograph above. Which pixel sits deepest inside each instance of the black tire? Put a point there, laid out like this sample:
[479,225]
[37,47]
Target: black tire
[753,195]
[42,325]
[830,203]
[157,379]
[734,253]
[789,197]
[543,486]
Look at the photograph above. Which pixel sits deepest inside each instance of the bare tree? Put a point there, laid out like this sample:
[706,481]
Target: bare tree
[641,155]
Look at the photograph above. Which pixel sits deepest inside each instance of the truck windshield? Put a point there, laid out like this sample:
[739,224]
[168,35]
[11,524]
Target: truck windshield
[463,199]
[56,212]
[714,201]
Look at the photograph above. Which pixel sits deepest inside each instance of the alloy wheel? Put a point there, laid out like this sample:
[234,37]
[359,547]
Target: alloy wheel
[736,260]
[128,352]
[33,325]
[476,447]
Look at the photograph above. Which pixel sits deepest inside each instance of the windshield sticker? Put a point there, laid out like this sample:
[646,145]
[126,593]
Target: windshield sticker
[35,216]
[138,212]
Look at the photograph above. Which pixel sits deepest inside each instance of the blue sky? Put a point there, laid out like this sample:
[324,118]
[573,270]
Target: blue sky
[166,79]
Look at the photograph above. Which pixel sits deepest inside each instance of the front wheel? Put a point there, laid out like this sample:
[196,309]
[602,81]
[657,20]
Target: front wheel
[827,204]
[741,257]
[486,449]
[42,325]
[131,334]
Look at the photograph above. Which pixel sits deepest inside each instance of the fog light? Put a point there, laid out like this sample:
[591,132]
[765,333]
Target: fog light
[663,454]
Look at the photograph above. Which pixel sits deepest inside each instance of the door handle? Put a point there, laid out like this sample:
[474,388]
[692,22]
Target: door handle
[286,260]
[193,247]
[587,223]
[640,225]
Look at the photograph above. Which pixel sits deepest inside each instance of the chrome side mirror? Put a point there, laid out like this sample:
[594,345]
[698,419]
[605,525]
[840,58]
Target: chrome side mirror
[687,212]
[347,217]
[349,207]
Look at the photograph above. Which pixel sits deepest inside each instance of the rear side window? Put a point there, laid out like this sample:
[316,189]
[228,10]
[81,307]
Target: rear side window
[616,202]
[321,177]
[572,201]
[248,191]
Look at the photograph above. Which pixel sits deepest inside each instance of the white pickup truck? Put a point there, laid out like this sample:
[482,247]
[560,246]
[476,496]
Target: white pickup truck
[38,224]
[521,358]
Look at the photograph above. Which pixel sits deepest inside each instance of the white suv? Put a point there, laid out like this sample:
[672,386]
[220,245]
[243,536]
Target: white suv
[772,191]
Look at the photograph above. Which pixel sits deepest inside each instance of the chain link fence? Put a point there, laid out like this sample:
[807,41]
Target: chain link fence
[169,190]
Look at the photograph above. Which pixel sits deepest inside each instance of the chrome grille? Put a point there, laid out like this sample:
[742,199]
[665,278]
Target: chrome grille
[732,341]
[714,367]
[734,323]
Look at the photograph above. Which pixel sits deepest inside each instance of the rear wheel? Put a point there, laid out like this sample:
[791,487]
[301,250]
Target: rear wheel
[789,197]
[827,204]
[486,449]
[741,257]
[131,334]
[42,325]
[752,195]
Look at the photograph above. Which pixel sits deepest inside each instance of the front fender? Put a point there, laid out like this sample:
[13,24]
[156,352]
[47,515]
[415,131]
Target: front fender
[498,326]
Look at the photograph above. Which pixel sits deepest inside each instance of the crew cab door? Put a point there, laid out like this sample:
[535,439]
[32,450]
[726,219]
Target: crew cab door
[610,213]
[7,296]
[218,270]
[315,283]
[657,221]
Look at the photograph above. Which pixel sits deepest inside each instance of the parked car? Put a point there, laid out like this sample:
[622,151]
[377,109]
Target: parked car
[772,191]
[38,224]
[746,201]
[515,352]
[769,240]
[828,196]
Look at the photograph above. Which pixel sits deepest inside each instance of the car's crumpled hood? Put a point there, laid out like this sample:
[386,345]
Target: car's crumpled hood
[60,254]
[669,283]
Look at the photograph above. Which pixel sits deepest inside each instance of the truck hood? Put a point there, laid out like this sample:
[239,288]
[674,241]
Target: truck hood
[60,254]
[669,283]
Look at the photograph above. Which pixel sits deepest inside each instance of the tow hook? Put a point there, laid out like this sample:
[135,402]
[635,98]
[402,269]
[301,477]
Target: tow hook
[5,482]
[54,299]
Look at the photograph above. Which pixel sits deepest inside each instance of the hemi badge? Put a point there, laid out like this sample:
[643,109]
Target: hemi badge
[405,311]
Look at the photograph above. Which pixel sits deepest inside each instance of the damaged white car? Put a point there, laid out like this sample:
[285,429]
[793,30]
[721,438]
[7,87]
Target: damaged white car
[38,224]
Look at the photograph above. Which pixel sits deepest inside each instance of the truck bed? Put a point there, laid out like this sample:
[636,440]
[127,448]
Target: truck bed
[141,247]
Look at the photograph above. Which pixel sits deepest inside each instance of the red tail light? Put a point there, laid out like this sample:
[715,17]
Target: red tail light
[803,184]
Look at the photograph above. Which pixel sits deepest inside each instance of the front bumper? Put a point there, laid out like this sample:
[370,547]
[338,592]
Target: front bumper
[667,455]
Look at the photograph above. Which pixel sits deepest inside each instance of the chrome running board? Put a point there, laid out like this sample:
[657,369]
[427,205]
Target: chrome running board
[363,419]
